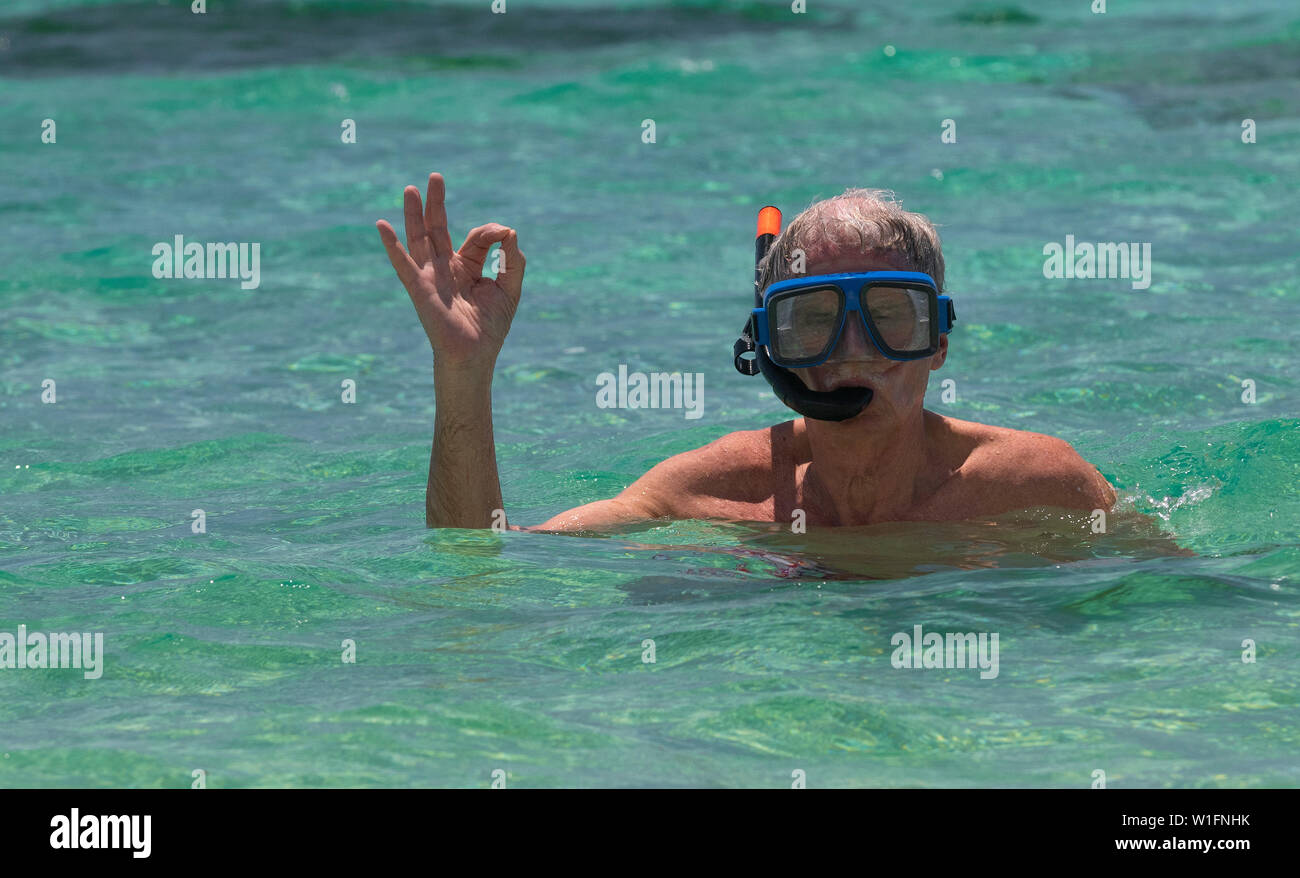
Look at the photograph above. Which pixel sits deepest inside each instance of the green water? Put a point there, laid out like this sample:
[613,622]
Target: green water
[523,652]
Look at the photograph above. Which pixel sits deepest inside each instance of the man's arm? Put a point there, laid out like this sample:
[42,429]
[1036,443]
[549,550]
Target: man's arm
[464,488]
[466,317]
[644,500]
[717,480]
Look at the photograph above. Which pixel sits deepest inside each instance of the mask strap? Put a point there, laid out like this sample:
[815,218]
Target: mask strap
[745,345]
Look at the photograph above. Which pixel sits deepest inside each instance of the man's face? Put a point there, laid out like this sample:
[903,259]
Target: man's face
[899,386]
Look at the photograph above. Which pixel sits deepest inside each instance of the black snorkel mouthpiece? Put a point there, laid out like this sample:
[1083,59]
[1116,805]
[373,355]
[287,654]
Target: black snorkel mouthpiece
[834,405]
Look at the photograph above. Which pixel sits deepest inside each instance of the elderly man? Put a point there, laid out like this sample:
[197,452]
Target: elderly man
[850,323]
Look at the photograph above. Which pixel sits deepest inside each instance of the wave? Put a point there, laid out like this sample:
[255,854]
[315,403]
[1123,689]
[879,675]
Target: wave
[152,38]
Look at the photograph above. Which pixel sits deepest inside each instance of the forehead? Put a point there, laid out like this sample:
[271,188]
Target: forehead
[853,259]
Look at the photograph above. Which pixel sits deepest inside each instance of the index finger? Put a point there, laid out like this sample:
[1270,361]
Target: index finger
[479,241]
[511,277]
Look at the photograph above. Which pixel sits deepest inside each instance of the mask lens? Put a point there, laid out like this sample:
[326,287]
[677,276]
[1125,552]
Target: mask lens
[902,318]
[804,323]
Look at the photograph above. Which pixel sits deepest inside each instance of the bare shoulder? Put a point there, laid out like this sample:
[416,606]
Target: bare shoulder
[740,454]
[1023,468]
[729,477]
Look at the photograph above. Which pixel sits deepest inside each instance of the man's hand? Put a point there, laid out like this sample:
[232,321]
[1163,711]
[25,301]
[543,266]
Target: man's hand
[465,315]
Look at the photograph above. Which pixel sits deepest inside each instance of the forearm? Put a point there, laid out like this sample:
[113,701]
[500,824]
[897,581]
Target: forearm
[464,489]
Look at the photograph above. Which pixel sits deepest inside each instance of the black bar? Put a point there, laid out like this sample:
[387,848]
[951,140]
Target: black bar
[332,828]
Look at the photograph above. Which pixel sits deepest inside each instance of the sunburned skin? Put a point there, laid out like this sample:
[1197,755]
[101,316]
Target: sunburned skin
[966,470]
[894,461]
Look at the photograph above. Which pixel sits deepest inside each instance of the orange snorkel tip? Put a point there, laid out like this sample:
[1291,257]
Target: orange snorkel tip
[769,226]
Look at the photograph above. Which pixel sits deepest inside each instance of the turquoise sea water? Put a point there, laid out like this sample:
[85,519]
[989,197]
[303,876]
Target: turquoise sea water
[523,652]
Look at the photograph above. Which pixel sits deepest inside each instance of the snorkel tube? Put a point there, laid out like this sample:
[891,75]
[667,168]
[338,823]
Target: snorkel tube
[834,405]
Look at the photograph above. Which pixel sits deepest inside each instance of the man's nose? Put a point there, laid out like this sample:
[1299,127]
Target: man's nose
[854,343]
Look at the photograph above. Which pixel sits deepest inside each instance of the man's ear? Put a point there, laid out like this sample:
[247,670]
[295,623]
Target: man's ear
[942,354]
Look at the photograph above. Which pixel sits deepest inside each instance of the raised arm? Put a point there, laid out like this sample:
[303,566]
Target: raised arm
[466,317]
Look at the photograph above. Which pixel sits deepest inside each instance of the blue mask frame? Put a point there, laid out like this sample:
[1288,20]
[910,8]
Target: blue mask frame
[851,286]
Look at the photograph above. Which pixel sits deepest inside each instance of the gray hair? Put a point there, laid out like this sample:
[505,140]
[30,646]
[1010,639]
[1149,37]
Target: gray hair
[867,219]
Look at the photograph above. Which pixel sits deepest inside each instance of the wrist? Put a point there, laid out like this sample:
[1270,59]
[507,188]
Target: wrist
[453,382]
